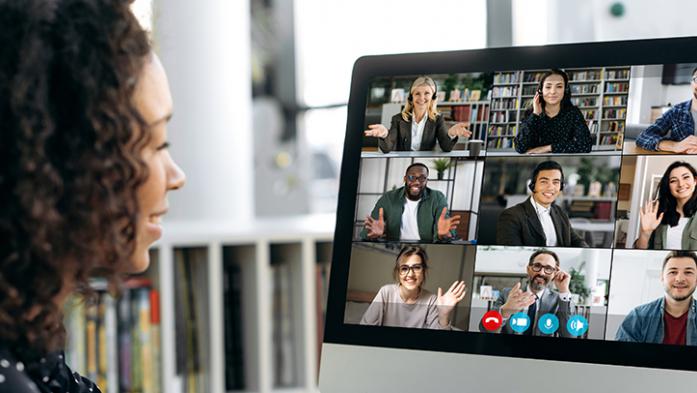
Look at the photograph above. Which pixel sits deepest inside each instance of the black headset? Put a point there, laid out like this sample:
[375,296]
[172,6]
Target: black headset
[545,166]
[428,78]
[555,71]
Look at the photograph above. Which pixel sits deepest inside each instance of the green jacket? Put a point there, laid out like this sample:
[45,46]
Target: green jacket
[659,239]
[430,206]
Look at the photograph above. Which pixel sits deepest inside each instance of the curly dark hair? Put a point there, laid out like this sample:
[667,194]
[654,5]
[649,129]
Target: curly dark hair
[70,164]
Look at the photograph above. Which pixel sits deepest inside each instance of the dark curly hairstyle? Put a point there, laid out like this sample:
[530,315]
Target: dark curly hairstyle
[70,166]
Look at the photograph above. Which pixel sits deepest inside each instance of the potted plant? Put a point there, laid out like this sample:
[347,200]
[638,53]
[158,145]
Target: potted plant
[577,284]
[441,165]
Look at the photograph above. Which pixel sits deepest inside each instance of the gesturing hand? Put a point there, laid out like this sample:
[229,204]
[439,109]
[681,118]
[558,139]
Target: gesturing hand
[649,220]
[561,281]
[447,301]
[517,301]
[536,104]
[375,228]
[376,130]
[459,129]
[445,225]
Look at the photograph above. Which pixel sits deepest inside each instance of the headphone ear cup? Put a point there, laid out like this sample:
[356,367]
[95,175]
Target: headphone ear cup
[410,98]
[531,186]
[434,95]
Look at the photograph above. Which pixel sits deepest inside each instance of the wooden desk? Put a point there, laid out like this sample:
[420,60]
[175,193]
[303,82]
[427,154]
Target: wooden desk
[631,148]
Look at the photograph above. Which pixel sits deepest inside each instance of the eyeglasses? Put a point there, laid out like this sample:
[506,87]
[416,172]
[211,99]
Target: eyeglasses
[421,179]
[537,267]
[694,79]
[417,269]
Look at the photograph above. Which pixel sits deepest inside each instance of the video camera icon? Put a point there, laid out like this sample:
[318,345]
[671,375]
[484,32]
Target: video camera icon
[577,325]
[519,322]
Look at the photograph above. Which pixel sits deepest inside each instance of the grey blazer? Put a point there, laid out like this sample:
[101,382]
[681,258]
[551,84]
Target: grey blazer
[659,237]
[550,303]
[399,136]
[519,226]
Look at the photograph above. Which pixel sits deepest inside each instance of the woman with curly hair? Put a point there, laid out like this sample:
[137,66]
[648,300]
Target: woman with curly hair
[84,171]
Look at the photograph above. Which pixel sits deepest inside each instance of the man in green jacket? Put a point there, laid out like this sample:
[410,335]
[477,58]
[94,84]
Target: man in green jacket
[411,213]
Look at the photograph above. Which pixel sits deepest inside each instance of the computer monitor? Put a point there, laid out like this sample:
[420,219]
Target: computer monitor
[517,219]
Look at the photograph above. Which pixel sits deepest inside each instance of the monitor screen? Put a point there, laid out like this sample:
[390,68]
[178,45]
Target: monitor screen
[522,202]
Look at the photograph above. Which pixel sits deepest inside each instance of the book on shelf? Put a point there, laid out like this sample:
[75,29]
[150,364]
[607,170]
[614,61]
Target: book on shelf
[232,306]
[104,332]
[284,345]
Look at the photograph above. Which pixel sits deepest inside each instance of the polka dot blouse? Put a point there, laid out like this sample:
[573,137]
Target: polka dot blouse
[567,132]
[49,374]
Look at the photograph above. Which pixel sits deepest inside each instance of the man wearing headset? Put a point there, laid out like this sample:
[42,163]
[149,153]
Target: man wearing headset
[538,221]
[419,124]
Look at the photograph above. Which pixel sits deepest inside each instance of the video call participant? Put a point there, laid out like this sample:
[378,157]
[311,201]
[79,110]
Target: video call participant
[553,124]
[668,222]
[675,130]
[419,125]
[537,221]
[670,319]
[538,299]
[406,303]
[413,212]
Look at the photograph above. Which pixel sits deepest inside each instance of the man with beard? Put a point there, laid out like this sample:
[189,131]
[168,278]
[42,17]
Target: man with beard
[675,130]
[670,319]
[538,299]
[413,212]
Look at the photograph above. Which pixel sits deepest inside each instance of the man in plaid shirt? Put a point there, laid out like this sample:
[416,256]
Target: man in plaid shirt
[675,130]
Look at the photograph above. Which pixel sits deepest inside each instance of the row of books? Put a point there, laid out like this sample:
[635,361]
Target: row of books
[612,126]
[500,143]
[508,104]
[504,130]
[615,113]
[506,77]
[584,75]
[116,342]
[617,74]
[505,91]
[504,117]
[584,101]
[585,88]
[615,101]
[617,87]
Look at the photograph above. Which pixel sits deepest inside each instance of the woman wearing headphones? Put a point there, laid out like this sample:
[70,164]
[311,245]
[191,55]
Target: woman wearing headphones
[406,303]
[668,222]
[419,124]
[553,124]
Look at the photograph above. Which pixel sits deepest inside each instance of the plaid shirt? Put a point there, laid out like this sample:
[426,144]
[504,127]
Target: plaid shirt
[678,121]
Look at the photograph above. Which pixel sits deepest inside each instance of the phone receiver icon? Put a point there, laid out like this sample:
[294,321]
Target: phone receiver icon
[491,319]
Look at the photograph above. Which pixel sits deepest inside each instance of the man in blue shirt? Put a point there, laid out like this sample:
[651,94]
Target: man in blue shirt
[675,130]
[672,318]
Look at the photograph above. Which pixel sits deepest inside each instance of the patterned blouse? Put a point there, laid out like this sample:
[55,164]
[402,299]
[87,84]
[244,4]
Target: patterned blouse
[567,132]
[49,374]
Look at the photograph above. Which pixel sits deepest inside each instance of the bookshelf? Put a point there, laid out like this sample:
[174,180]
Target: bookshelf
[243,333]
[599,92]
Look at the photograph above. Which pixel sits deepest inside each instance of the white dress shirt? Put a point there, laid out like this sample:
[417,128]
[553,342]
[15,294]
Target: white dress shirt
[417,131]
[545,217]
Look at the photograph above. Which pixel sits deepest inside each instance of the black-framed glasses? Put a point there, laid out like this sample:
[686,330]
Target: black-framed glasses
[537,267]
[417,269]
[421,178]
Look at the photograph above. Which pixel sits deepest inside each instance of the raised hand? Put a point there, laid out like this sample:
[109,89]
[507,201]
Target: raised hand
[447,301]
[536,104]
[445,225]
[376,130]
[459,129]
[517,301]
[649,218]
[561,281]
[375,228]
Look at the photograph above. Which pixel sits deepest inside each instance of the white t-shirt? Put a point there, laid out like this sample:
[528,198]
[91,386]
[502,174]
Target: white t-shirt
[417,132]
[410,226]
[543,213]
[674,235]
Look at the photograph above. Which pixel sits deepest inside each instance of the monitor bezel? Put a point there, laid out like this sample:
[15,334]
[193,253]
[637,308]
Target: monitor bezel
[597,54]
